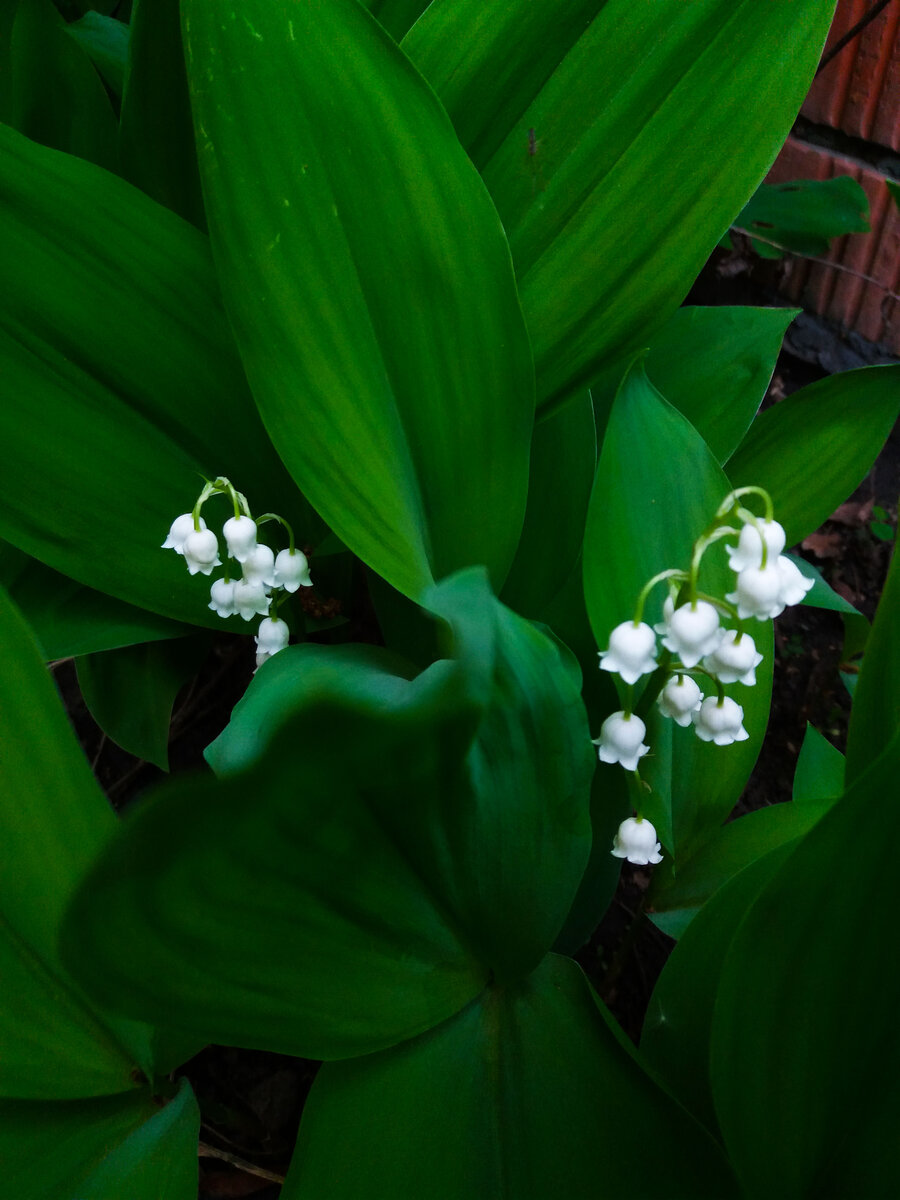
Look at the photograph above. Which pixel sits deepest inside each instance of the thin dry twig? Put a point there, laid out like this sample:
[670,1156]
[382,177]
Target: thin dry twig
[824,262]
[206,1151]
[865,19]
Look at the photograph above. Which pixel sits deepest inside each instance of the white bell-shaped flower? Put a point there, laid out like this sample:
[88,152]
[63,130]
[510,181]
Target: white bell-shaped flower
[690,631]
[620,740]
[680,699]
[794,584]
[632,651]
[758,593]
[292,570]
[273,636]
[251,598]
[735,659]
[201,551]
[720,721]
[259,565]
[240,536]
[748,552]
[179,530]
[636,841]
[222,598]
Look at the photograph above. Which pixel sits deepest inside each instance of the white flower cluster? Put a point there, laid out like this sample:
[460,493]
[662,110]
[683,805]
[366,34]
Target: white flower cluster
[696,644]
[262,572]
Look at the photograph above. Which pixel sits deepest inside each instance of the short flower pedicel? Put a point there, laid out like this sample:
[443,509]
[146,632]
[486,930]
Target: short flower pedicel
[262,573]
[694,643]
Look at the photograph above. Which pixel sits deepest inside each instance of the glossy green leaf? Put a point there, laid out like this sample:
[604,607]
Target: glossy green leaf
[397,16]
[618,141]
[57,96]
[527,1093]
[53,820]
[814,448]
[101,1149]
[820,769]
[67,618]
[805,1053]
[675,1038]
[7,17]
[105,41]
[876,701]
[563,461]
[804,214]
[365,269]
[156,132]
[130,692]
[110,324]
[713,365]
[405,841]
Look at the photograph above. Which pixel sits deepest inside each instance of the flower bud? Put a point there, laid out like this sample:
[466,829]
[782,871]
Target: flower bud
[240,536]
[631,653]
[259,565]
[251,598]
[758,593]
[179,530]
[292,570]
[222,598]
[748,552]
[620,740]
[636,842]
[720,721]
[201,551]
[690,631]
[680,699]
[273,636]
[735,659]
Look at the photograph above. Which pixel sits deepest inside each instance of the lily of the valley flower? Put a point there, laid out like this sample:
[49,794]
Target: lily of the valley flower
[251,598]
[720,721]
[680,699]
[690,631]
[201,551]
[179,530]
[735,659]
[748,552]
[632,651]
[621,740]
[273,636]
[240,536]
[259,566]
[758,593]
[222,598]
[636,842]
[292,570]
[794,584]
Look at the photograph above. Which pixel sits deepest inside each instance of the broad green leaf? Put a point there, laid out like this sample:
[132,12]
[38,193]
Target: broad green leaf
[805,1054]
[101,1149]
[156,133]
[406,841]
[563,460]
[713,365]
[105,41]
[7,17]
[656,489]
[527,1093]
[821,594]
[813,449]
[803,215]
[110,325]
[365,270]
[130,692]
[820,769]
[67,618]
[53,820]
[675,1038]
[876,701]
[618,141]
[57,97]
